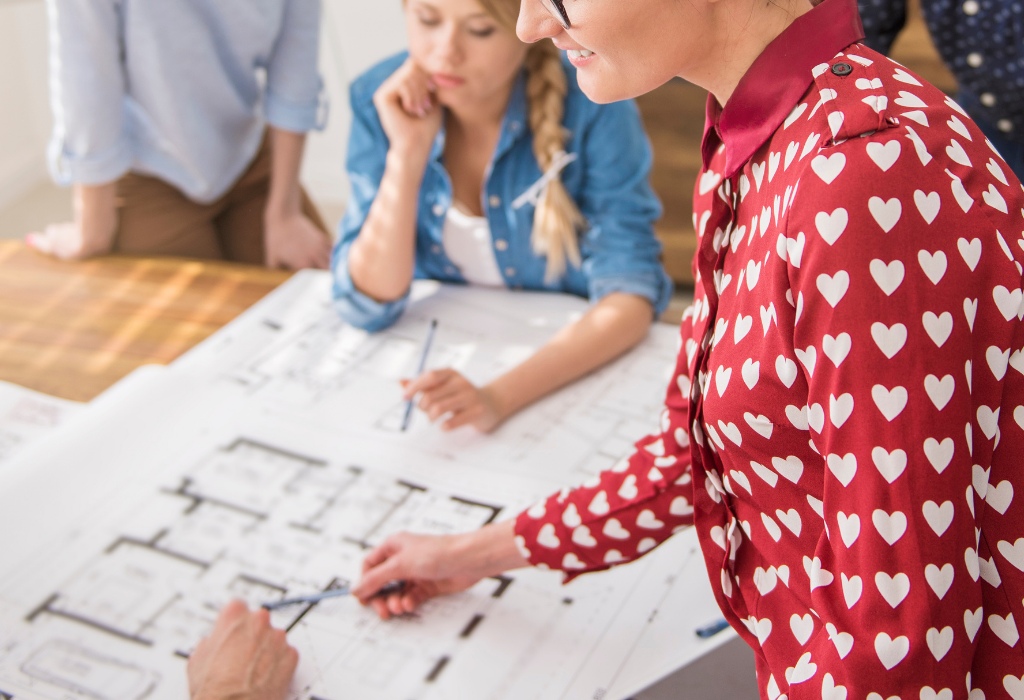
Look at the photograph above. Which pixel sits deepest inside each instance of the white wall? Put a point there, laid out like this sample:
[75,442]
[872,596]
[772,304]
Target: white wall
[24,107]
[355,35]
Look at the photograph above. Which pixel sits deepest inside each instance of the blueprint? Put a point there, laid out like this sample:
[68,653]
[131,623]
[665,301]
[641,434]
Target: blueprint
[114,606]
[310,367]
[265,463]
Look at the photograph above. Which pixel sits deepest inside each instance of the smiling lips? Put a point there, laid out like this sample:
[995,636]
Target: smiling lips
[444,80]
[580,57]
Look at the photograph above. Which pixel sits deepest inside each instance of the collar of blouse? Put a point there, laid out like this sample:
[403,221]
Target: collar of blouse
[776,81]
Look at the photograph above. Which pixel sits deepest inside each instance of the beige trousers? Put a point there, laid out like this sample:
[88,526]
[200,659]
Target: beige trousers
[154,218]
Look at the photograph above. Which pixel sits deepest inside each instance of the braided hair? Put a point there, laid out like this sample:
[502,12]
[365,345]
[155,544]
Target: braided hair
[557,220]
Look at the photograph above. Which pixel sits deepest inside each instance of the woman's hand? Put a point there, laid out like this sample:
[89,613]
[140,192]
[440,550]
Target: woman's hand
[446,392]
[91,233]
[293,242]
[244,658]
[408,110]
[433,565]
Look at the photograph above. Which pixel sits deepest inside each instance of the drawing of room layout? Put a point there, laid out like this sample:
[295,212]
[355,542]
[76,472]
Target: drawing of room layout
[249,521]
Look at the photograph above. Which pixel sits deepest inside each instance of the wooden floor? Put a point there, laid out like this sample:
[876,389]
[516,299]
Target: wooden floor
[674,116]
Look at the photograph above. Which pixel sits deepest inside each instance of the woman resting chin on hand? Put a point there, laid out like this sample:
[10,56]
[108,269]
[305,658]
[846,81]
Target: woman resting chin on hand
[477,159]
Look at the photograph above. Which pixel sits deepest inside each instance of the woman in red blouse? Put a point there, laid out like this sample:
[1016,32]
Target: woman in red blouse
[846,424]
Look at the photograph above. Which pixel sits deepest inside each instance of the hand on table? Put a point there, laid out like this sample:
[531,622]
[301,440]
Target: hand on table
[293,242]
[244,658]
[92,231]
[64,241]
[446,392]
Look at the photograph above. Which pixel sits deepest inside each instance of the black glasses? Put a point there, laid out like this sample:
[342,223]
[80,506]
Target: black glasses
[562,17]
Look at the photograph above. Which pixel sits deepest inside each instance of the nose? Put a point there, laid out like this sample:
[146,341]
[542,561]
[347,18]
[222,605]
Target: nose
[449,47]
[536,23]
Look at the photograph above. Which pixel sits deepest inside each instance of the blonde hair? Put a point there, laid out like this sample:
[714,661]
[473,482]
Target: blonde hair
[557,220]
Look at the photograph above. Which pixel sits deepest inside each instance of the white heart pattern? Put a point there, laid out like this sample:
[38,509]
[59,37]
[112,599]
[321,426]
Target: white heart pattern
[879,254]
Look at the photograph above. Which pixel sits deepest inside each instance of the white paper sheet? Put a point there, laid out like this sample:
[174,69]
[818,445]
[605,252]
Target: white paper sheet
[27,416]
[262,464]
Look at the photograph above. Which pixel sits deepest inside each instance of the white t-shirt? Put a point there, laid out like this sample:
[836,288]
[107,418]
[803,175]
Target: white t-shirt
[467,243]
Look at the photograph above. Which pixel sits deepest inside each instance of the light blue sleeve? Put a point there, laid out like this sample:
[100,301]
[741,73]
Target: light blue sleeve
[621,252]
[367,153]
[294,88]
[87,87]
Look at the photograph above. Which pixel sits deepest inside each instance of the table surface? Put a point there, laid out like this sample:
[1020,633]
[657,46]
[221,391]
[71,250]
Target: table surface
[73,329]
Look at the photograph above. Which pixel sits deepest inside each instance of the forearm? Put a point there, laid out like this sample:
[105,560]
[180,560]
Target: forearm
[383,257]
[286,149]
[489,551]
[616,324]
[95,208]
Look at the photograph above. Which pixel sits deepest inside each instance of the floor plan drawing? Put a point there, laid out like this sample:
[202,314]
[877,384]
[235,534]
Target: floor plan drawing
[266,462]
[254,521]
[341,378]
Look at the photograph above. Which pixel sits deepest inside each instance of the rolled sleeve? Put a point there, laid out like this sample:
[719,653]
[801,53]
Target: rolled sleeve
[87,87]
[294,98]
[356,308]
[653,285]
[621,251]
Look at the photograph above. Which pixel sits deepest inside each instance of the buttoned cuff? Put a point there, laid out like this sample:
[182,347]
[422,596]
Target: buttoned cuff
[93,169]
[655,286]
[297,117]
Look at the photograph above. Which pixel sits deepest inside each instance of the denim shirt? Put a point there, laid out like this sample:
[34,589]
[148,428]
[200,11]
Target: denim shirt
[608,181]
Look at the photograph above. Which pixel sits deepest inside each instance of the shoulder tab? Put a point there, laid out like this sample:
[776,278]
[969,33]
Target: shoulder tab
[854,94]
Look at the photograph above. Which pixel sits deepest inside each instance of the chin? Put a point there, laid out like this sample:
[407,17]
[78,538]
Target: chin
[604,88]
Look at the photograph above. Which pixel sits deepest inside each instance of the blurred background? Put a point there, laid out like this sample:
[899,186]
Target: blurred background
[354,36]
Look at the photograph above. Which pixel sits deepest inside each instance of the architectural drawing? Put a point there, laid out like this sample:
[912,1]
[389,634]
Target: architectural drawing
[267,461]
[252,521]
[321,371]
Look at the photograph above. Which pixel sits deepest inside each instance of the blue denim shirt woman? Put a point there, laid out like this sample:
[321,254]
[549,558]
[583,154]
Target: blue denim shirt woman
[473,119]
[609,182]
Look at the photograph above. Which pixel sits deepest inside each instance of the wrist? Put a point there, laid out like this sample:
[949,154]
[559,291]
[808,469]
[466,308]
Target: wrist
[409,158]
[500,399]
[278,209]
[96,217]
[489,551]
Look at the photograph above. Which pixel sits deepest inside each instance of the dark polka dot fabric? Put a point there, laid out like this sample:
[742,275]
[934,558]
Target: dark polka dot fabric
[982,42]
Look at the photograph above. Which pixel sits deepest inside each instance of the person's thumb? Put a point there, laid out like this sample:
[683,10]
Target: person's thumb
[377,577]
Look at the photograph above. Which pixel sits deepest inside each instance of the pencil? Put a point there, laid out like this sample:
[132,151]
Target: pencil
[388,589]
[423,364]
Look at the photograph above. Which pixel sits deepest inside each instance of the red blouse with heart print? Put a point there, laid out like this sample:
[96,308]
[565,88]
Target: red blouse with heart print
[851,444]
